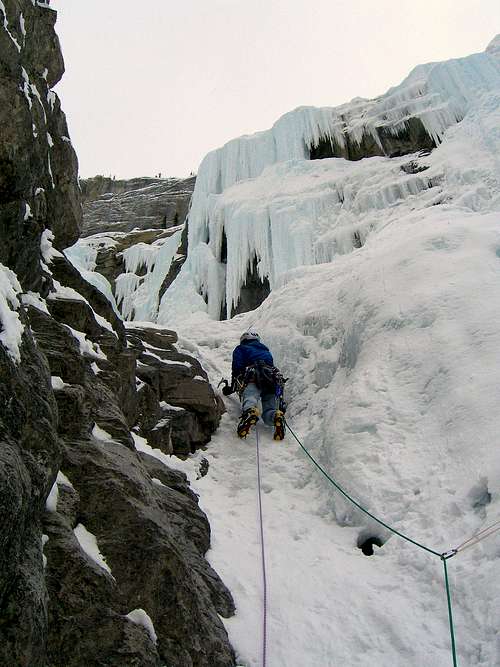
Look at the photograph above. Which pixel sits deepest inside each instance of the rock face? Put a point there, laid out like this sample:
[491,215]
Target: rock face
[146,520]
[189,410]
[253,292]
[123,217]
[82,401]
[38,191]
[411,139]
[30,454]
[139,203]
[109,249]
[37,162]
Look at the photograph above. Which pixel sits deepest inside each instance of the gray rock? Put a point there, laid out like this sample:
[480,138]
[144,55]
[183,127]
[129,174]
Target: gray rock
[33,158]
[411,139]
[153,538]
[134,519]
[38,166]
[139,203]
[30,455]
[191,410]
[85,626]
[152,533]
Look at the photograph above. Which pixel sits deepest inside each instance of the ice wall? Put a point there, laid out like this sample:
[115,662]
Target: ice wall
[83,256]
[280,209]
[138,295]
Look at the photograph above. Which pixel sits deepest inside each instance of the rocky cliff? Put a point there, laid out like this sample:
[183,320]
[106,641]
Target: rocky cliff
[127,226]
[138,203]
[102,545]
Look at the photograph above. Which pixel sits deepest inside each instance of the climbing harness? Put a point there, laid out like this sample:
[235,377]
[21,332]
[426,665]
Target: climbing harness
[267,379]
[263,555]
[444,557]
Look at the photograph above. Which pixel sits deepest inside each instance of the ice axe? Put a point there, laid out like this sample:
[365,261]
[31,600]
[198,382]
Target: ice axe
[227,389]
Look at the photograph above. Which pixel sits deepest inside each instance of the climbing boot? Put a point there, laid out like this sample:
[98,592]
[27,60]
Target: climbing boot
[279,425]
[247,420]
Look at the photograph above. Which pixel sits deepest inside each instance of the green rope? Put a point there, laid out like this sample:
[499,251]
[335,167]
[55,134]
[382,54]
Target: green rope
[344,493]
[450,613]
[443,556]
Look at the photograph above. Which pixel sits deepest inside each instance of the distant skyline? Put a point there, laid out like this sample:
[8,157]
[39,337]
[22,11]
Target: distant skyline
[151,88]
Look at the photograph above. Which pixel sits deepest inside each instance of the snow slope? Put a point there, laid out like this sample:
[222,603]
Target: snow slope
[407,423]
[392,350]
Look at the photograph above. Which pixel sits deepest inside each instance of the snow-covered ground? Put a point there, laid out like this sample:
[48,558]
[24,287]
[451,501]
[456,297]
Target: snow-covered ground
[395,391]
[392,350]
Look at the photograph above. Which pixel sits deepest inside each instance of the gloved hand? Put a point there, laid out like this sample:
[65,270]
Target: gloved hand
[228,390]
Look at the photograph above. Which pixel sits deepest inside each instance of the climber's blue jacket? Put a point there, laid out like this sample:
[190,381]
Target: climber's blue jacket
[247,353]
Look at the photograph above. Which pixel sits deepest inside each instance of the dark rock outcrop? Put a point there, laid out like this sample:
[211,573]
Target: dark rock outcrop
[153,535]
[30,455]
[253,292]
[139,203]
[38,167]
[82,400]
[410,139]
[189,409]
[38,191]
[159,567]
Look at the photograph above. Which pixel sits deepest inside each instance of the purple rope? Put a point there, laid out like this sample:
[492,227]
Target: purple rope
[263,554]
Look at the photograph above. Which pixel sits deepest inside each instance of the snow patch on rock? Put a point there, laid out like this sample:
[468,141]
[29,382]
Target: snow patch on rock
[88,543]
[140,617]
[11,327]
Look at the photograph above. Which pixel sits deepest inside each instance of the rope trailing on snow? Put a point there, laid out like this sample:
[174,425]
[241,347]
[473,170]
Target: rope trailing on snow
[263,554]
[479,536]
[450,612]
[344,493]
[443,556]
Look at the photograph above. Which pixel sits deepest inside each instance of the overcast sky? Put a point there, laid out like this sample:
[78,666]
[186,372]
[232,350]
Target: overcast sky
[151,86]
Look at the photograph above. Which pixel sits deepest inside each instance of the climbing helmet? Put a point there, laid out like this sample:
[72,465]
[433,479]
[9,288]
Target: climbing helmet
[250,334]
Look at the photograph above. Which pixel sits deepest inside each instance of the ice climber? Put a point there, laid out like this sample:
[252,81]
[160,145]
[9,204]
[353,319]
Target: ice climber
[255,378]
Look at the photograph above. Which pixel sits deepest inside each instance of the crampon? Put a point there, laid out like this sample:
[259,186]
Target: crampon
[279,425]
[247,420]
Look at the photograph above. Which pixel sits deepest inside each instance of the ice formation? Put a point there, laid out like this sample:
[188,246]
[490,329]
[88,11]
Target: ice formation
[83,257]
[137,290]
[136,295]
[87,347]
[281,210]
[53,497]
